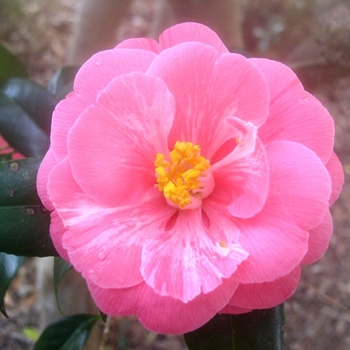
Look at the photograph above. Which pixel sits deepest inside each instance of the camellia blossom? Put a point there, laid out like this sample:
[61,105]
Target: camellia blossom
[185,180]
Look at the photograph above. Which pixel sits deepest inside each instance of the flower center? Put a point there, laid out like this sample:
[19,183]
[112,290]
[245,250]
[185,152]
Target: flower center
[186,179]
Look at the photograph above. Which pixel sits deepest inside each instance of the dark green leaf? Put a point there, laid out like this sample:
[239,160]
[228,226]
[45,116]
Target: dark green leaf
[19,130]
[24,222]
[10,65]
[60,268]
[259,329]
[5,157]
[67,334]
[256,330]
[62,82]
[18,182]
[35,100]
[9,265]
[217,334]
[24,230]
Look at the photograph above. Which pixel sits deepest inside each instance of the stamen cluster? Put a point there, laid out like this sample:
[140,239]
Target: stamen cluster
[178,178]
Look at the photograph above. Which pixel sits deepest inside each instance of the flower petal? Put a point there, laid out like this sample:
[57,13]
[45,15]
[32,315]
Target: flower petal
[92,77]
[46,166]
[104,66]
[126,129]
[276,238]
[319,240]
[194,74]
[104,244]
[275,248]
[57,230]
[163,314]
[140,43]
[185,32]
[295,115]
[300,185]
[235,310]
[336,172]
[266,295]
[197,262]
[243,174]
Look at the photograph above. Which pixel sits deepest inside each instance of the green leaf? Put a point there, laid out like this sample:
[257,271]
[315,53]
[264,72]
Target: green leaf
[217,334]
[19,129]
[9,265]
[5,157]
[10,65]
[61,83]
[60,268]
[24,221]
[18,182]
[68,333]
[35,100]
[256,330]
[259,329]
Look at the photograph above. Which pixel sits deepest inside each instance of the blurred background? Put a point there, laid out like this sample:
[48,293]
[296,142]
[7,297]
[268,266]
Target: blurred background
[312,37]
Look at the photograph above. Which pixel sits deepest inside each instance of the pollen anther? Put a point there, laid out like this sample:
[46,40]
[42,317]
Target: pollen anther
[179,178]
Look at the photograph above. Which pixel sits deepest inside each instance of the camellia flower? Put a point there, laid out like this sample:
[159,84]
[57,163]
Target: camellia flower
[185,180]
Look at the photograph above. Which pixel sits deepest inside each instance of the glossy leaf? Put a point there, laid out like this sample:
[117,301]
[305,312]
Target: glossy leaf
[68,333]
[259,329]
[34,99]
[61,83]
[18,182]
[24,222]
[9,265]
[256,330]
[217,334]
[5,157]
[10,65]
[60,268]
[19,129]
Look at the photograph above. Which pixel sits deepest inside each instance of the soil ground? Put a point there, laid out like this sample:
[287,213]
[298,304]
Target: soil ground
[318,315]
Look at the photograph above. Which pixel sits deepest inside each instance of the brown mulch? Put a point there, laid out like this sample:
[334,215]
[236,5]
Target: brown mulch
[318,315]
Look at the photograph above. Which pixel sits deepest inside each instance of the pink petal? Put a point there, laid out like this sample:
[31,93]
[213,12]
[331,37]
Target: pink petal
[57,230]
[295,115]
[275,248]
[46,166]
[140,43]
[163,314]
[319,240]
[266,295]
[209,88]
[336,172]
[197,262]
[276,238]
[230,309]
[105,243]
[107,250]
[116,302]
[112,146]
[300,184]
[244,173]
[64,116]
[93,76]
[185,32]
[104,66]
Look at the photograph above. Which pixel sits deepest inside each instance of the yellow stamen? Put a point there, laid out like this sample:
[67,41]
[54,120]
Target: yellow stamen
[178,178]
[223,244]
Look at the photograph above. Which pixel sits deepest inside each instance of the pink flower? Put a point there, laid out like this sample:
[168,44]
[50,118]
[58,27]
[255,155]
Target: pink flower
[185,180]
